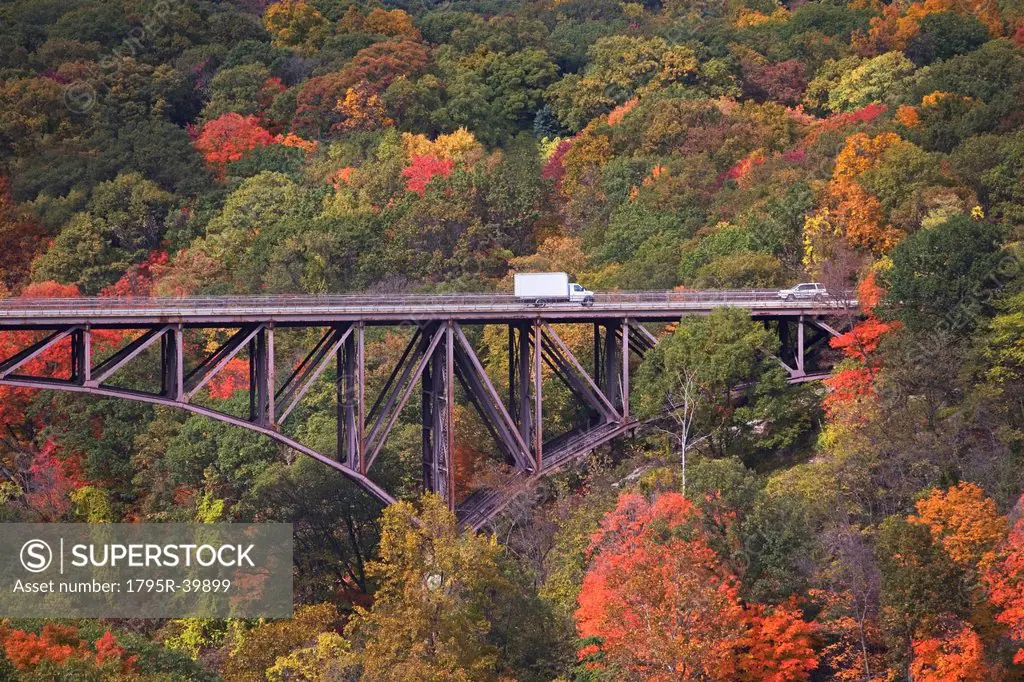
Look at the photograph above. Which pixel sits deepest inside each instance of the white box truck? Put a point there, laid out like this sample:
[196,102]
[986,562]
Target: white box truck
[550,287]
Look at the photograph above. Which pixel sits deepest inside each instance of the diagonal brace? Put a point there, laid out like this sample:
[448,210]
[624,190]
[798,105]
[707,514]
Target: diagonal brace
[202,374]
[106,369]
[376,439]
[490,401]
[606,406]
[309,371]
[33,351]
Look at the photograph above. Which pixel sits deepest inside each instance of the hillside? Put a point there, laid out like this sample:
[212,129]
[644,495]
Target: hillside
[867,528]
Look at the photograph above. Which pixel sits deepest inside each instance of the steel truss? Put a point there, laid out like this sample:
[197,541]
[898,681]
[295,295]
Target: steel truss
[438,357]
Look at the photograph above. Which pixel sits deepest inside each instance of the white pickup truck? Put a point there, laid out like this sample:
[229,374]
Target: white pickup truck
[803,292]
[550,287]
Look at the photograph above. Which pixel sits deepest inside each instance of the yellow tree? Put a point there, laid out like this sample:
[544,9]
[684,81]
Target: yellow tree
[429,619]
[361,109]
[295,24]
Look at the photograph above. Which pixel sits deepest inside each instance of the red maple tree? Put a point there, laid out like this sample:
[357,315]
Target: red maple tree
[422,169]
[233,376]
[228,138]
[55,643]
[60,643]
[859,345]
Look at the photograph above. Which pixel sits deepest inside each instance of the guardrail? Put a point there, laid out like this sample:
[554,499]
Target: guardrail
[754,298]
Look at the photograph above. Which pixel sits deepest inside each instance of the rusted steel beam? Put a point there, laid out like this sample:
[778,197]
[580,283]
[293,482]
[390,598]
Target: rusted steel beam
[644,336]
[86,340]
[800,346]
[260,385]
[270,380]
[513,403]
[359,348]
[610,375]
[626,324]
[526,416]
[349,450]
[449,414]
[820,324]
[538,400]
[361,480]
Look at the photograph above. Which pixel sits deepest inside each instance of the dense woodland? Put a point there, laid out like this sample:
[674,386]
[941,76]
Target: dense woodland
[867,529]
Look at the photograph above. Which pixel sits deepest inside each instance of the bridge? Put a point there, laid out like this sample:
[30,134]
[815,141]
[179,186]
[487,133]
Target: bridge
[436,356]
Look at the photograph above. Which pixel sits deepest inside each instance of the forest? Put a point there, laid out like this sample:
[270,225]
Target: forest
[865,528]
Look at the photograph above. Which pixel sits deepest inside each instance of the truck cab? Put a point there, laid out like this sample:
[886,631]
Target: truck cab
[577,294]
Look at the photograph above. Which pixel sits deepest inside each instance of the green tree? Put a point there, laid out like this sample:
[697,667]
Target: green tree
[874,80]
[496,95]
[697,369]
[335,525]
[237,89]
[123,222]
[943,278]
[620,67]
[942,35]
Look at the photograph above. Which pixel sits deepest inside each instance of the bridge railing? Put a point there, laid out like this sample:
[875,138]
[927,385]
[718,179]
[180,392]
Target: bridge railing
[390,300]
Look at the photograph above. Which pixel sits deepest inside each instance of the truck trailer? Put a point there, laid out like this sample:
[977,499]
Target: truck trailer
[550,287]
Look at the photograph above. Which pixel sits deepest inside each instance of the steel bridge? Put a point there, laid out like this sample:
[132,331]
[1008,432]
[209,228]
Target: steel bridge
[438,355]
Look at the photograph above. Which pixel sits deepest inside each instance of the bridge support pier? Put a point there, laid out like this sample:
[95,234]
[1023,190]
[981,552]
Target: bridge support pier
[437,412]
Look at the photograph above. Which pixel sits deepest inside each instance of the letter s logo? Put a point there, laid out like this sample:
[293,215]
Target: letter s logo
[36,556]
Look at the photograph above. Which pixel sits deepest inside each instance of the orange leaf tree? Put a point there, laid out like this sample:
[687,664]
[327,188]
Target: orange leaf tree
[661,605]
[965,522]
[955,655]
[1005,580]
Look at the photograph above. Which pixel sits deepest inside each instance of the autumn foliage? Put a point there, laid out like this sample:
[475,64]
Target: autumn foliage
[956,655]
[859,346]
[57,644]
[21,234]
[422,169]
[662,606]
[1005,579]
[229,137]
[965,522]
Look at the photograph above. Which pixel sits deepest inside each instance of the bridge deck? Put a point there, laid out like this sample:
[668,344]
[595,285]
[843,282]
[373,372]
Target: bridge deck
[387,308]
